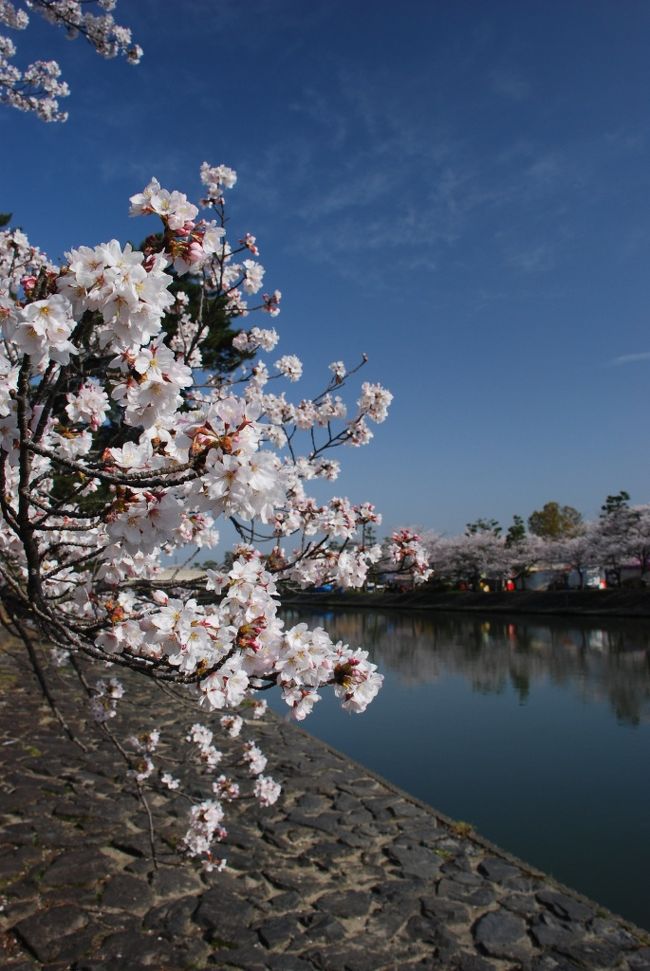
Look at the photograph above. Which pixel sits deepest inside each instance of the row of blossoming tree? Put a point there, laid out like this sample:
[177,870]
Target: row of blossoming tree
[135,414]
[617,540]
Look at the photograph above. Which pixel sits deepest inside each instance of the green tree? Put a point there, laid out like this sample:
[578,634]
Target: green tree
[554,520]
[483,526]
[615,504]
[516,533]
[368,536]
[616,527]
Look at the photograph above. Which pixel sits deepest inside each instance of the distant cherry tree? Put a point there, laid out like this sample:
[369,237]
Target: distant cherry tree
[577,553]
[621,535]
[469,558]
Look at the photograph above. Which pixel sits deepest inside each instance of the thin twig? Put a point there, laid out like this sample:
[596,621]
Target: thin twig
[127,759]
[42,681]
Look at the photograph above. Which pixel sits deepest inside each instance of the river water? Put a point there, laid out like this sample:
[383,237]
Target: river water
[536,731]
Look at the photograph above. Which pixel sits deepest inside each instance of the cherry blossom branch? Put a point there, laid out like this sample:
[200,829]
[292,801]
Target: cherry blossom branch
[123,439]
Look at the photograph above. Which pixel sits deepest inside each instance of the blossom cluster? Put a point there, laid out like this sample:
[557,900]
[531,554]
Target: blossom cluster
[37,88]
[407,548]
[103,703]
[20,262]
[205,822]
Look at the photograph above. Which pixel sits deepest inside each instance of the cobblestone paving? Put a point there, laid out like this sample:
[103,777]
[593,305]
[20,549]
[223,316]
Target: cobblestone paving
[344,874]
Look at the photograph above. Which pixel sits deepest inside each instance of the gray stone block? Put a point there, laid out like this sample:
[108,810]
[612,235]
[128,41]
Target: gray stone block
[45,931]
[498,870]
[127,892]
[279,931]
[350,903]
[500,935]
[565,907]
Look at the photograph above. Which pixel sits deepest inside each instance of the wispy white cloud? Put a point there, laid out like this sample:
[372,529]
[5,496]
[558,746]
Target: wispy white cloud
[510,86]
[315,106]
[532,260]
[630,358]
[548,169]
[369,168]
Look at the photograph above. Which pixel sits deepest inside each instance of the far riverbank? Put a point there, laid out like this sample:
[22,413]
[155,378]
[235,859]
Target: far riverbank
[614,603]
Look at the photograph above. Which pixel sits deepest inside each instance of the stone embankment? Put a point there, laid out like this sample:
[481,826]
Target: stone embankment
[345,873]
[620,602]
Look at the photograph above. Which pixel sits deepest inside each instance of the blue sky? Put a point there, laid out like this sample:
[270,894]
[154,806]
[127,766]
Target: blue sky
[458,189]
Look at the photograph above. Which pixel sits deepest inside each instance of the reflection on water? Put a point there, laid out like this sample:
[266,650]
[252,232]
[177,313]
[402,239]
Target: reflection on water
[536,731]
[599,663]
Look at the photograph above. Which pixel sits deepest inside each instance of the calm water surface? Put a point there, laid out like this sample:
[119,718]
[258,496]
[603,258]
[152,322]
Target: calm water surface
[535,731]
